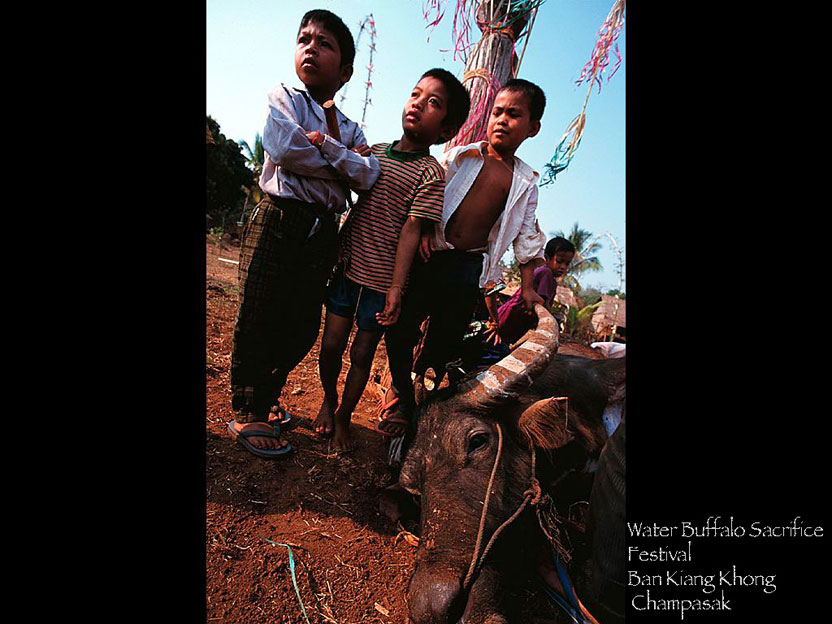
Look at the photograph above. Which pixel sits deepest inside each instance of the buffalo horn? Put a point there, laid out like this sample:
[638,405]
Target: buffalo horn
[513,375]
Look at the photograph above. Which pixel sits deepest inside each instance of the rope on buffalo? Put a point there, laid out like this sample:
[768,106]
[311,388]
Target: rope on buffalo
[532,494]
[544,508]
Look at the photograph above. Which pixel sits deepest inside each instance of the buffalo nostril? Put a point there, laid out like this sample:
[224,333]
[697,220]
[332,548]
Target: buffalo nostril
[435,602]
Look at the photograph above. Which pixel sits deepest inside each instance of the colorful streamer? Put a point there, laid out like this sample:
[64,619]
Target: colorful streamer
[499,22]
[509,19]
[473,130]
[592,71]
[461,30]
[294,579]
[607,36]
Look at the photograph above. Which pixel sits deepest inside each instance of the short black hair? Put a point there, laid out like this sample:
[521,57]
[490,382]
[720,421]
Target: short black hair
[337,27]
[534,95]
[556,244]
[459,102]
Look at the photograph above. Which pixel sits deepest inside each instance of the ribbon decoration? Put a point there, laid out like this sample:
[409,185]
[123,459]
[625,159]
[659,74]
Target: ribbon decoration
[469,132]
[492,61]
[501,22]
[591,72]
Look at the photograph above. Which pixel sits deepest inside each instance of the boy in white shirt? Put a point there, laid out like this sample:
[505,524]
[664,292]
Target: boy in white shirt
[290,242]
[490,203]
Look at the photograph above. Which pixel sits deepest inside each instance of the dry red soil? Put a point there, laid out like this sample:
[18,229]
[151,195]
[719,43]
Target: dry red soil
[352,563]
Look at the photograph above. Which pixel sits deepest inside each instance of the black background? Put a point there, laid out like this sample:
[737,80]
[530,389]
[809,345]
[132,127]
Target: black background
[726,273]
[727,324]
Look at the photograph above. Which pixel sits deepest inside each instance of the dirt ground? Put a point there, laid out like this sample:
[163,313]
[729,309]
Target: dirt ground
[352,564]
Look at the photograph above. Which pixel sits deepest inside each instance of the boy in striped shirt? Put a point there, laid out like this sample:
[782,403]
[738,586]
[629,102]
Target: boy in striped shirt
[379,242]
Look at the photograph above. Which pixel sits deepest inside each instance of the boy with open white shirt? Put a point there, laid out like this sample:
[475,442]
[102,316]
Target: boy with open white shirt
[490,203]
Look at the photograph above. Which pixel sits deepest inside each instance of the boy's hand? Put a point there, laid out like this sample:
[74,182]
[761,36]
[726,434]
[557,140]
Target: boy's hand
[392,307]
[492,333]
[425,247]
[530,297]
[316,138]
[362,150]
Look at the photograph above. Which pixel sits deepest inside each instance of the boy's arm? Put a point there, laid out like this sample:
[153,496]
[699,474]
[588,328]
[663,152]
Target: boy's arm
[530,241]
[492,333]
[405,251]
[528,293]
[360,171]
[286,143]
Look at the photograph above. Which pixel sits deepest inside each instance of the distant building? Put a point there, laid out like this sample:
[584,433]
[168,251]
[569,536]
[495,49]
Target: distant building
[611,313]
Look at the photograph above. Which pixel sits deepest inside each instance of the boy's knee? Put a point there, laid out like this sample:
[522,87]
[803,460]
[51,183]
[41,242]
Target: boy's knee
[361,355]
[332,347]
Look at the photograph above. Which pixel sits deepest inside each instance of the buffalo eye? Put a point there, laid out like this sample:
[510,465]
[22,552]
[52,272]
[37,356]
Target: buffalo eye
[477,441]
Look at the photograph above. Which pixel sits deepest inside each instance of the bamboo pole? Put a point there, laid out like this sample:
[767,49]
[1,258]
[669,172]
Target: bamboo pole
[490,65]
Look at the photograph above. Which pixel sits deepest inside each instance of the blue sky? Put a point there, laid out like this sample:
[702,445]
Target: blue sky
[250,48]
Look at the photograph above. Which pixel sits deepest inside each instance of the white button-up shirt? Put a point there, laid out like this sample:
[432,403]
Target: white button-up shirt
[296,169]
[517,223]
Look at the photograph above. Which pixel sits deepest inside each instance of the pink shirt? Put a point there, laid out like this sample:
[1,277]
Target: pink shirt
[512,317]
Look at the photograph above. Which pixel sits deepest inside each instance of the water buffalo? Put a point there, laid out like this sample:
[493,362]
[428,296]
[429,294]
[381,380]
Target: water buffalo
[543,414]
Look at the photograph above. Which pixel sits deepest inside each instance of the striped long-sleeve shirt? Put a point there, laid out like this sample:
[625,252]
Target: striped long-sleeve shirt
[410,184]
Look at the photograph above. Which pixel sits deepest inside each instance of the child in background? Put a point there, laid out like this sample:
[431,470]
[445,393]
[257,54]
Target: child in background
[490,202]
[291,237]
[511,320]
[379,241]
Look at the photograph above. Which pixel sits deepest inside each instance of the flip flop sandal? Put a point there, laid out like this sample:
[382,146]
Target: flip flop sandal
[390,418]
[241,437]
[287,423]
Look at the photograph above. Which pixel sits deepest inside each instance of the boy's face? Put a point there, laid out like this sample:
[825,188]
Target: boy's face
[510,122]
[318,60]
[424,113]
[559,263]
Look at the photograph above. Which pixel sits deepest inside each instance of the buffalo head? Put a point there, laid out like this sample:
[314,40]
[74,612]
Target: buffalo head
[529,400]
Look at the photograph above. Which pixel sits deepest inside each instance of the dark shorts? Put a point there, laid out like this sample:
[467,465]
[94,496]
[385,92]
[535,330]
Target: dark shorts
[346,298]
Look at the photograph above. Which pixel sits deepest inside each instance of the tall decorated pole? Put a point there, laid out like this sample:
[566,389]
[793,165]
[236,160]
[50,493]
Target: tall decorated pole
[492,61]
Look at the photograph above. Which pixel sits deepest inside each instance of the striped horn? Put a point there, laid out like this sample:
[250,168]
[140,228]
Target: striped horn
[513,375]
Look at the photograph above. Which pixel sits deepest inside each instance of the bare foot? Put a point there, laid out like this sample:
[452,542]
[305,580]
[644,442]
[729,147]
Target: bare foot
[265,442]
[341,440]
[325,419]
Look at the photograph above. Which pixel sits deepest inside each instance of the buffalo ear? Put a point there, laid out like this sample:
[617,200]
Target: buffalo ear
[545,423]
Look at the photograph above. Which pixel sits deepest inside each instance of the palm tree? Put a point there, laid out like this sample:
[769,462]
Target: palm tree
[586,245]
[255,157]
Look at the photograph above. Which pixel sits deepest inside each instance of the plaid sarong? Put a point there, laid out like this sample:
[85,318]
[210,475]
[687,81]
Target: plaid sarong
[282,275]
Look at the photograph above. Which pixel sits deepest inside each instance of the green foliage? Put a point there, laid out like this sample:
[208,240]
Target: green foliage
[578,322]
[215,233]
[227,180]
[616,293]
[256,157]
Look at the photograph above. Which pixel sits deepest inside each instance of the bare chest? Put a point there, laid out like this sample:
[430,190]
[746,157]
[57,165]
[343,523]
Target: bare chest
[485,201]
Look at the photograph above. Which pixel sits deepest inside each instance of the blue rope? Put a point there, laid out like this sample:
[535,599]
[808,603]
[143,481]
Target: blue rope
[292,570]
[568,603]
